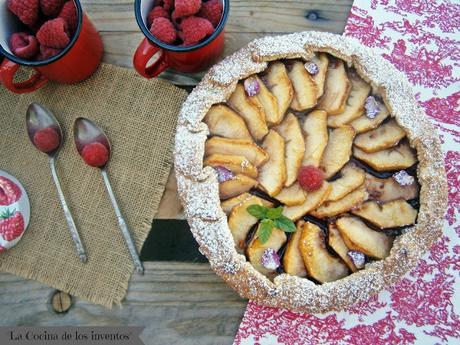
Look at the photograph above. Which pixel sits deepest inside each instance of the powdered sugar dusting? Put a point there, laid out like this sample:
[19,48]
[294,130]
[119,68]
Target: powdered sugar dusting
[403,178]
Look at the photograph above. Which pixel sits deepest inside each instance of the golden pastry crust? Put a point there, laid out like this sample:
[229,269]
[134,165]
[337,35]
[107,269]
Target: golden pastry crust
[199,192]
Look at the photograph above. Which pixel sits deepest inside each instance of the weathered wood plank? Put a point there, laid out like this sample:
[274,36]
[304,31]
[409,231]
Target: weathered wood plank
[177,303]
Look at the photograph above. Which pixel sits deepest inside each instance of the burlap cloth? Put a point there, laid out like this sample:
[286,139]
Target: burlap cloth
[139,116]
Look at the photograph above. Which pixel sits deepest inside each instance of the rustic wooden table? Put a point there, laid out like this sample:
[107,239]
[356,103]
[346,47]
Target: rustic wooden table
[177,303]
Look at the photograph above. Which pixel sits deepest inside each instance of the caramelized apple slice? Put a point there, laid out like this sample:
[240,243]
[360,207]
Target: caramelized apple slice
[267,100]
[320,265]
[240,221]
[292,196]
[381,138]
[292,260]
[354,106]
[352,178]
[363,123]
[336,89]
[280,85]
[396,158]
[256,250]
[229,204]
[239,147]
[388,189]
[392,214]
[305,89]
[312,201]
[336,242]
[322,62]
[358,236]
[272,175]
[250,111]
[316,137]
[236,164]
[238,185]
[338,150]
[348,202]
[223,121]
[290,130]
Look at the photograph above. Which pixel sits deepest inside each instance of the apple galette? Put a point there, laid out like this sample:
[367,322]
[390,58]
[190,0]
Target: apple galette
[315,171]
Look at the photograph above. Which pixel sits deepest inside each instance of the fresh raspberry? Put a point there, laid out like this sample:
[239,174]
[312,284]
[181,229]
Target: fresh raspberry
[69,14]
[47,52]
[157,12]
[310,178]
[95,154]
[194,29]
[212,11]
[11,224]
[185,8]
[51,8]
[23,45]
[26,10]
[168,4]
[164,30]
[54,33]
[47,139]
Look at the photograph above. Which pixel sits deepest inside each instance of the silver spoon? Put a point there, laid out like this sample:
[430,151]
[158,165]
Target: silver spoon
[42,124]
[91,142]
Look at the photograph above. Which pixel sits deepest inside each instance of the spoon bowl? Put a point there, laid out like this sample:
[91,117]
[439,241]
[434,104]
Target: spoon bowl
[87,132]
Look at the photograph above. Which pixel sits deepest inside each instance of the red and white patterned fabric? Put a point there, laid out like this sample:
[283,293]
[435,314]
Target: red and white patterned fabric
[422,39]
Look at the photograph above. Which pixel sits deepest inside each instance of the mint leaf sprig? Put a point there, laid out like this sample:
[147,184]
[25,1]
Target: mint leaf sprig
[270,218]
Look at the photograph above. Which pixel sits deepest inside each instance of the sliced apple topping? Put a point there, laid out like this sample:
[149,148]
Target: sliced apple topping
[352,178]
[388,189]
[336,242]
[266,99]
[316,137]
[224,122]
[305,89]
[347,203]
[292,195]
[336,89]
[256,250]
[292,260]
[239,147]
[272,175]
[277,80]
[320,265]
[313,200]
[236,164]
[396,158]
[363,123]
[229,204]
[392,214]
[358,236]
[321,60]
[250,110]
[236,186]
[381,138]
[354,106]
[338,150]
[290,130]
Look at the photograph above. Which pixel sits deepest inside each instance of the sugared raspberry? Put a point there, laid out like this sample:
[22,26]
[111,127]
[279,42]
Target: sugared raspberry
[185,8]
[164,30]
[194,29]
[212,11]
[47,52]
[69,14]
[23,45]
[47,139]
[51,8]
[310,178]
[26,10]
[54,33]
[95,154]
[156,12]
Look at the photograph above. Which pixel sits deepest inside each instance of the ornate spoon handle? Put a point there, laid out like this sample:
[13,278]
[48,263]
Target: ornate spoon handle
[68,216]
[122,224]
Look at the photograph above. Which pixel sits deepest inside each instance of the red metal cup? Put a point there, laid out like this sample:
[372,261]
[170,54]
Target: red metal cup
[183,59]
[74,63]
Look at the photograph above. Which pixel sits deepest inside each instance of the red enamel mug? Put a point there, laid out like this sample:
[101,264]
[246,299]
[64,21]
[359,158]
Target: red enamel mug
[187,59]
[76,62]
